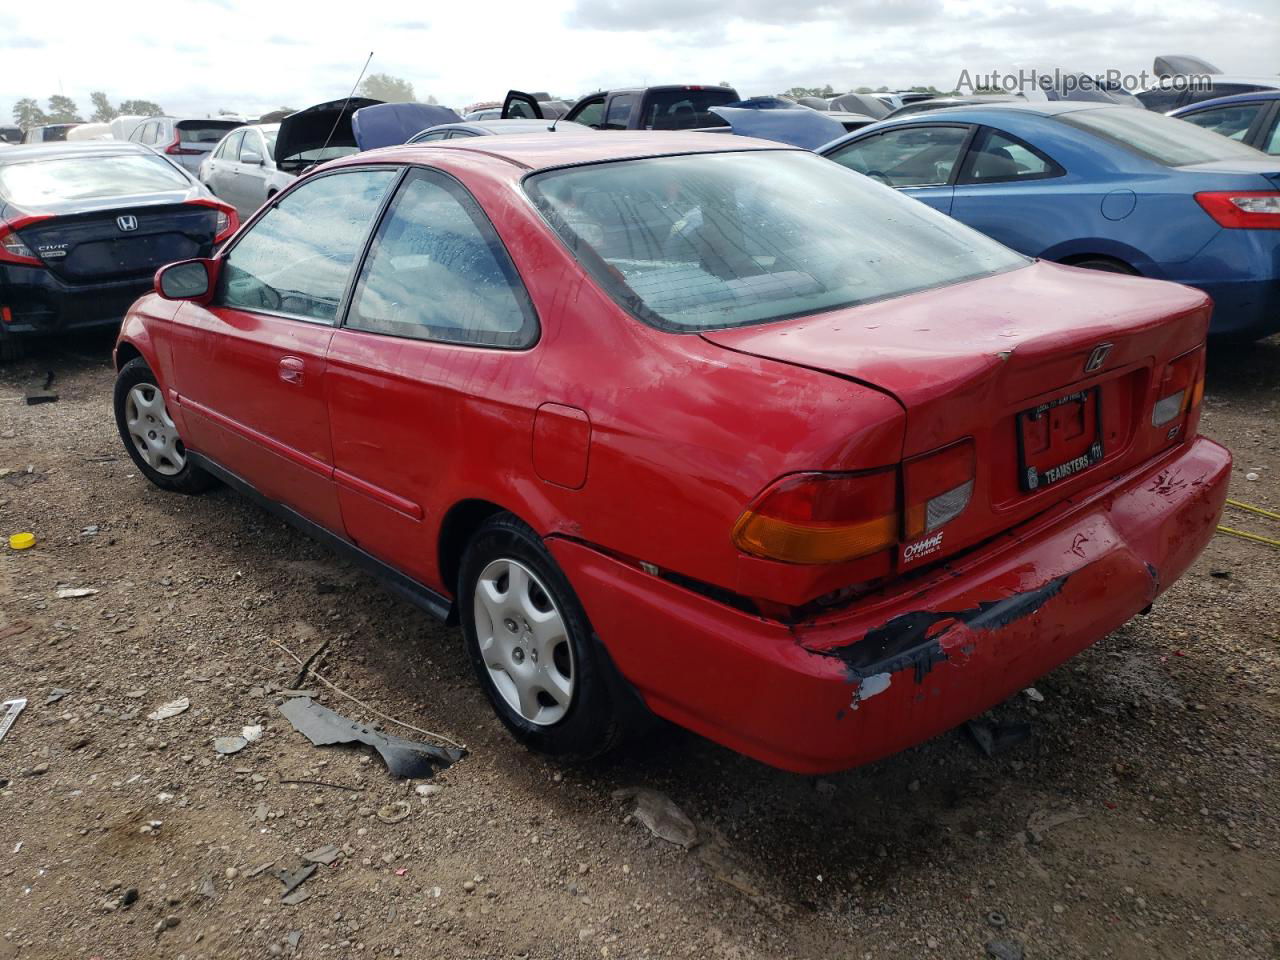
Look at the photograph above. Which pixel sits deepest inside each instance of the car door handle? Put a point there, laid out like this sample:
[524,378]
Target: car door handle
[291,370]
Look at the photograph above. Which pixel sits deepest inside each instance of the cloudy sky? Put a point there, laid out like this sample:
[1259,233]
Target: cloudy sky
[252,55]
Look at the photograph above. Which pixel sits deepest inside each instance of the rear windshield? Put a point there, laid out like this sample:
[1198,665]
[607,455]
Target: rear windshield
[87,178]
[685,109]
[1165,140]
[725,240]
[196,131]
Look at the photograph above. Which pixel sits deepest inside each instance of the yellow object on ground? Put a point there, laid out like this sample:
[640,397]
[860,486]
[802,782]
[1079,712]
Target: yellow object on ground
[22,541]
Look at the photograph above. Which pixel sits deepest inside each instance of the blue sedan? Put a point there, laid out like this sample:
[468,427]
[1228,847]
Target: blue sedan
[1107,187]
[1252,118]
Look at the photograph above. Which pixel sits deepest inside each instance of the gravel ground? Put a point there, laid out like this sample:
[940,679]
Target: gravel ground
[1138,820]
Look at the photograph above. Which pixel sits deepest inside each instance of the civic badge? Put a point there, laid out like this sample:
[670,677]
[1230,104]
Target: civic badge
[127,223]
[1097,358]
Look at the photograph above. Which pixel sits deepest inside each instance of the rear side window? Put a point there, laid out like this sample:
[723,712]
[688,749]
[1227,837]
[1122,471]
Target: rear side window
[684,109]
[437,271]
[1271,144]
[996,157]
[907,157]
[88,177]
[297,258]
[1162,139]
[1231,121]
[619,112]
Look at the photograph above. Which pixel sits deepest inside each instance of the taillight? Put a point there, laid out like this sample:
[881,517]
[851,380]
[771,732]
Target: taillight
[12,248]
[936,488]
[1181,388]
[176,149]
[1244,209]
[227,221]
[822,517]
[6,315]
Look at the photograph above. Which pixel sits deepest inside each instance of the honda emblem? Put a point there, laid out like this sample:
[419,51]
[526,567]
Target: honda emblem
[127,223]
[1097,358]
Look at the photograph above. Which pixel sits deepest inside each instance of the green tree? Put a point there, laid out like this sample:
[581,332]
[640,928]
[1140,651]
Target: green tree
[103,111]
[27,113]
[383,86]
[63,110]
[141,108]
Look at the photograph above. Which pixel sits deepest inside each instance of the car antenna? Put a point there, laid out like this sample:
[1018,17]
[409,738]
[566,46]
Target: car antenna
[338,119]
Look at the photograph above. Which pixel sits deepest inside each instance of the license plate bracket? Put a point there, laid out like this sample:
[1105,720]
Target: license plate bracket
[1059,439]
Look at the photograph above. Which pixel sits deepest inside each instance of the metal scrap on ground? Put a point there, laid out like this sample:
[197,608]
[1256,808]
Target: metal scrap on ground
[404,758]
[170,709]
[11,710]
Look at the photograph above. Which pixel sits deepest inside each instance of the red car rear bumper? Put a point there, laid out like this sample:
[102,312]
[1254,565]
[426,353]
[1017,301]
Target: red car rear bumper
[899,667]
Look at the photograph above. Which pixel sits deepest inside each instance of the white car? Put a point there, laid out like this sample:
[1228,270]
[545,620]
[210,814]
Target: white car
[242,168]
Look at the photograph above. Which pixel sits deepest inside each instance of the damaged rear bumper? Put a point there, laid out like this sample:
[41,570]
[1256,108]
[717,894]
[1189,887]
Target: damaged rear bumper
[900,667]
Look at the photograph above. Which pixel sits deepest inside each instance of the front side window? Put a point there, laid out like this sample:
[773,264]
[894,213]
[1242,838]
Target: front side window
[36,183]
[997,158]
[908,157]
[1173,143]
[724,240]
[231,149]
[1232,121]
[591,114]
[297,258]
[437,271]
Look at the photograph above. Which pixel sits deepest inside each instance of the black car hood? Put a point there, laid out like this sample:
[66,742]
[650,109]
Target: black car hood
[310,129]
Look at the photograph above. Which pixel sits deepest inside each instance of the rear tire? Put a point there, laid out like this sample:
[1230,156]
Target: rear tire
[1105,265]
[149,434]
[545,673]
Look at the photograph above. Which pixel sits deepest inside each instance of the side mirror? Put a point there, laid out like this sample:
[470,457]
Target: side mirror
[251,157]
[187,280]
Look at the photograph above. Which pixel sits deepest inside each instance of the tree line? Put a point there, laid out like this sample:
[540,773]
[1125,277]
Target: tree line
[28,113]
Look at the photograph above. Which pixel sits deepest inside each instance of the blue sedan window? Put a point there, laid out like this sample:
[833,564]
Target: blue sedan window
[907,157]
[1230,121]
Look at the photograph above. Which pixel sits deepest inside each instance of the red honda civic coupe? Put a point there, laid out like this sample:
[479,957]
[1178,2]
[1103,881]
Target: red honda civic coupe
[690,424]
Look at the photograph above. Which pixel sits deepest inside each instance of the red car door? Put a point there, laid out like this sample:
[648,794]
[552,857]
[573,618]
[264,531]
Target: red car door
[430,357]
[250,366]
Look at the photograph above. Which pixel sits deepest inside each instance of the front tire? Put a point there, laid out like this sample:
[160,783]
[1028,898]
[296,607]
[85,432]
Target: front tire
[149,433]
[546,675]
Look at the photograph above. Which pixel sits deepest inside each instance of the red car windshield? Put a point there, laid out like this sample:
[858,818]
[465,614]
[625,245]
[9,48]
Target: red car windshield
[723,240]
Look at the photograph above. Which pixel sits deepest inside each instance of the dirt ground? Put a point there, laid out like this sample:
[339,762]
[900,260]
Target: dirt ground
[1138,820]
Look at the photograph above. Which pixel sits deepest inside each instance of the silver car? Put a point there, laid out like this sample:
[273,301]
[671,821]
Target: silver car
[242,169]
[185,141]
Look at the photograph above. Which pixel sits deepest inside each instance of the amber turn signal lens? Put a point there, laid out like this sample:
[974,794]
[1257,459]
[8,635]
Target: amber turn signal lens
[821,517]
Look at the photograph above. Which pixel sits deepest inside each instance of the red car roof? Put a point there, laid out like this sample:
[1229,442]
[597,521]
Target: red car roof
[537,151]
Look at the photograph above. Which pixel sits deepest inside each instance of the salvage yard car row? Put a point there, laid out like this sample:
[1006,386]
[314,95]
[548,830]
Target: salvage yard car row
[686,424]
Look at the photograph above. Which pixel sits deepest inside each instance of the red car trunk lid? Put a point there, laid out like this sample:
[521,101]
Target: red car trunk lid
[1047,367]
